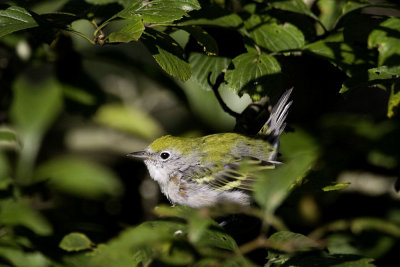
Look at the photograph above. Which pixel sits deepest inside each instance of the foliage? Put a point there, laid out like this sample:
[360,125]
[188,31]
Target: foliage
[84,82]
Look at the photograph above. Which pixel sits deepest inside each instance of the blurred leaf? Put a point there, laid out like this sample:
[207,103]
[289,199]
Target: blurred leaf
[273,186]
[20,258]
[118,251]
[36,104]
[203,65]
[323,259]
[131,32]
[286,240]
[238,260]
[168,54]
[387,39]
[8,139]
[15,213]
[159,11]
[5,169]
[297,6]
[335,187]
[204,39]
[128,119]
[79,177]
[75,242]
[249,67]
[273,36]
[14,19]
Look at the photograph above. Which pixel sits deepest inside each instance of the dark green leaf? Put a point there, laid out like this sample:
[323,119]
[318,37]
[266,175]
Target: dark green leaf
[159,11]
[203,65]
[101,2]
[14,19]
[168,54]
[250,69]
[205,40]
[131,32]
[79,177]
[273,36]
[17,213]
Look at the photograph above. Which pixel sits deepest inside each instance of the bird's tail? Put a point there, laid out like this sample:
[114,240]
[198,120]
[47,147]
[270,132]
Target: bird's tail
[275,124]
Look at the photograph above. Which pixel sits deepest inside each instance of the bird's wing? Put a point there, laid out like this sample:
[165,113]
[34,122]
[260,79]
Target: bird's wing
[235,174]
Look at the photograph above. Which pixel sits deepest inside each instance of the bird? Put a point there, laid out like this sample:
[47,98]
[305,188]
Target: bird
[215,169]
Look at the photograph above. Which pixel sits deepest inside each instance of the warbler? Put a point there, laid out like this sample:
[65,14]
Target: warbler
[206,171]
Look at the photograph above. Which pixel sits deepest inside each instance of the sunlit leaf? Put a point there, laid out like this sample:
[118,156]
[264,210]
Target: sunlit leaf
[79,177]
[330,10]
[168,54]
[128,119]
[335,187]
[75,242]
[297,6]
[250,70]
[159,11]
[17,213]
[130,32]
[14,19]
[203,65]
[387,39]
[273,36]
[273,186]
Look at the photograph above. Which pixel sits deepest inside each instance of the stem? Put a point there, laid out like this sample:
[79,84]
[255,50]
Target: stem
[215,87]
[82,35]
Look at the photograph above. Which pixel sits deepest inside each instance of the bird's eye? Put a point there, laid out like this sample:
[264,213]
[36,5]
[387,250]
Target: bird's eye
[164,155]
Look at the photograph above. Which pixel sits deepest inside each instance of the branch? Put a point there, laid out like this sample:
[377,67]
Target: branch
[215,87]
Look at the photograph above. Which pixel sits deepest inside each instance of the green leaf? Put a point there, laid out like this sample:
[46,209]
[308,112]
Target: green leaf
[36,104]
[15,19]
[330,11]
[251,72]
[15,213]
[297,6]
[19,258]
[8,139]
[273,36]
[283,240]
[394,99]
[227,21]
[387,39]
[335,187]
[75,242]
[159,11]
[128,119]
[130,32]
[168,54]
[203,65]
[349,59]
[372,76]
[79,177]
[273,186]
[154,235]
[205,40]
[101,2]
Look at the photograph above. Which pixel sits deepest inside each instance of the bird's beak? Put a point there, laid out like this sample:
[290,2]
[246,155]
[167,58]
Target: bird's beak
[139,155]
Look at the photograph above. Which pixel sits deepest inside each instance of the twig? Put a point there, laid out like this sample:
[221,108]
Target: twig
[215,87]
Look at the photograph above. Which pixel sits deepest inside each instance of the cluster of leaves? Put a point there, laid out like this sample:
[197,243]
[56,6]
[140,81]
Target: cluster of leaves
[186,39]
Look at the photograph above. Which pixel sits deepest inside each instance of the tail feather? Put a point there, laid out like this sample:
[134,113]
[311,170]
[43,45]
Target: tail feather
[276,121]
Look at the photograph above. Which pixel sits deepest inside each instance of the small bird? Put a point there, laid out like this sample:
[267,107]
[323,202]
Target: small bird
[207,171]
